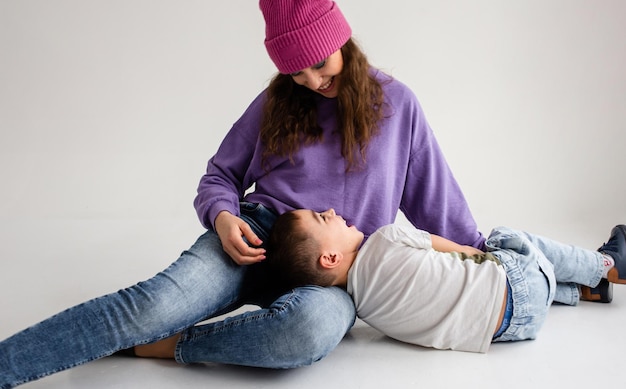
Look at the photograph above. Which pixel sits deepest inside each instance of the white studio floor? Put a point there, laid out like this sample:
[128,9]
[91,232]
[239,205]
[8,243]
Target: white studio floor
[68,262]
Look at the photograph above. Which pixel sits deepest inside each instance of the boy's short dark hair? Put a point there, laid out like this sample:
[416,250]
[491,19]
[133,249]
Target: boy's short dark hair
[292,254]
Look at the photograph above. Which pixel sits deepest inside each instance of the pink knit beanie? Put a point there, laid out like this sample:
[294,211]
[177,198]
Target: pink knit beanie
[301,33]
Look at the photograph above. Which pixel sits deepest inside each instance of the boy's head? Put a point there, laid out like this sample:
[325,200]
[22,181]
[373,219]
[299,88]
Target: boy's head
[312,248]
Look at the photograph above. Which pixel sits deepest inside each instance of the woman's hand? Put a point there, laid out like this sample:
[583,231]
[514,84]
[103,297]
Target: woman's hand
[231,230]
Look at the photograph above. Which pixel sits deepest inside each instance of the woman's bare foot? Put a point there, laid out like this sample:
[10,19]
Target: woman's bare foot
[162,349]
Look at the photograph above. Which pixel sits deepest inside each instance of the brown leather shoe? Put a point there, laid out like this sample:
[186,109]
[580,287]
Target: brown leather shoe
[603,293]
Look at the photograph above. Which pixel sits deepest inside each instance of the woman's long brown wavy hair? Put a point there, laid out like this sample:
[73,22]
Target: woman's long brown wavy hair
[290,115]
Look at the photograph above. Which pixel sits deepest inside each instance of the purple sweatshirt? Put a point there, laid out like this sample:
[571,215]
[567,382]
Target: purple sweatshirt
[405,170]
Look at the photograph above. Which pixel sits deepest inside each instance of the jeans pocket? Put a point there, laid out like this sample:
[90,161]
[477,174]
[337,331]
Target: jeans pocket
[249,208]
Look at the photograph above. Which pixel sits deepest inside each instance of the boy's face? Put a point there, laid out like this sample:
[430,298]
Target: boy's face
[330,230]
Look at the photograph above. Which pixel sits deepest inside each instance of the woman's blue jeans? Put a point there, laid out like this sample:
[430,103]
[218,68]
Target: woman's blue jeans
[292,328]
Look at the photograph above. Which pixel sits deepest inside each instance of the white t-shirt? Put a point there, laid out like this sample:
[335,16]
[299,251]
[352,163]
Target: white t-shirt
[410,292]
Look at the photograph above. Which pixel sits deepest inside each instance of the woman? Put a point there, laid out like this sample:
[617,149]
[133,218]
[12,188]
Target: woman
[329,129]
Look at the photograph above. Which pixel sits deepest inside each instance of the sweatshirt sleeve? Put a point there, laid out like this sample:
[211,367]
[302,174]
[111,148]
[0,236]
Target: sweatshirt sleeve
[432,199]
[226,178]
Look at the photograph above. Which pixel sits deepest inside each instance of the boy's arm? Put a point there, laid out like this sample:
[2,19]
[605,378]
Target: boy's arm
[446,246]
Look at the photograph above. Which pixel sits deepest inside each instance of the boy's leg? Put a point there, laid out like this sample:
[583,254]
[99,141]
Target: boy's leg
[572,265]
[570,256]
[202,281]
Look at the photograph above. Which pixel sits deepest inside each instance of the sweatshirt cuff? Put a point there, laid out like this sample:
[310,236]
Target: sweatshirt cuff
[220,206]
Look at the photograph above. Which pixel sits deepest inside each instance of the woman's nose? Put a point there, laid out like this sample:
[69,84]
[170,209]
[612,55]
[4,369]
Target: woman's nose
[313,80]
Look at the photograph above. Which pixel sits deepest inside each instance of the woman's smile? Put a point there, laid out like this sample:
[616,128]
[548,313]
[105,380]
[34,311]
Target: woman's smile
[327,87]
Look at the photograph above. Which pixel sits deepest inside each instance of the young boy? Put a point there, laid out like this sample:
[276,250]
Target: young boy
[423,289]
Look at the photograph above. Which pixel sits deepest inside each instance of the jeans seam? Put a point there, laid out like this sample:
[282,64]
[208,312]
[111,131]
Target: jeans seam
[270,312]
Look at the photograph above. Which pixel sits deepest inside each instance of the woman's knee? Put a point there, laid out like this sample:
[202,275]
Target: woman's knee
[318,319]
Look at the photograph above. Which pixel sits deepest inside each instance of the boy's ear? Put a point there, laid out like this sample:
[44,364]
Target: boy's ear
[330,259]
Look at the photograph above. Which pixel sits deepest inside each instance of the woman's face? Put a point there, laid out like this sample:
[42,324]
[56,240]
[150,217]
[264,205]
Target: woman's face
[323,77]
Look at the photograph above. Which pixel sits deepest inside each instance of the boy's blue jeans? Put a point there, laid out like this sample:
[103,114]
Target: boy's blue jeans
[540,271]
[293,328]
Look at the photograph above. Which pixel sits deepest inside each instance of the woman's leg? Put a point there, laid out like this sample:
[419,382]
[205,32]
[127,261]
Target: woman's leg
[295,329]
[202,282]
[299,328]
